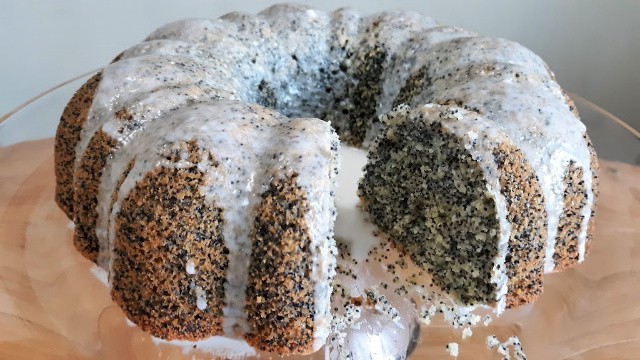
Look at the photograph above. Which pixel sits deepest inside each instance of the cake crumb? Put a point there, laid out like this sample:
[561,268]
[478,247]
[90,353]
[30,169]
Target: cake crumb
[503,347]
[492,341]
[452,348]
[518,352]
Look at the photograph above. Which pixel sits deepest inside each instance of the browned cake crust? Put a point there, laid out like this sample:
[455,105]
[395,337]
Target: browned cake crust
[86,183]
[67,137]
[526,214]
[114,198]
[574,200]
[595,183]
[571,104]
[280,305]
[164,224]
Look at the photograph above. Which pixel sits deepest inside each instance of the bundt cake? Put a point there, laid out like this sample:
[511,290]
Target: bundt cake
[199,175]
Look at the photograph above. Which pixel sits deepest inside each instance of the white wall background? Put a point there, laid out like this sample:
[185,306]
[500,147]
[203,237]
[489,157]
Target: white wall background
[592,46]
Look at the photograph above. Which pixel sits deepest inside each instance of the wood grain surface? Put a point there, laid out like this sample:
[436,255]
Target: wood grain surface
[52,307]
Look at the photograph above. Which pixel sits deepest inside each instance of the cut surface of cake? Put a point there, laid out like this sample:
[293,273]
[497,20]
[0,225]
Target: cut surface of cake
[459,198]
[200,168]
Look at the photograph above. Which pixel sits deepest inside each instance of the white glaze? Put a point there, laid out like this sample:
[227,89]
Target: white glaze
[201,298]
[226,347]
[404,65]
[100,274]
[190,268]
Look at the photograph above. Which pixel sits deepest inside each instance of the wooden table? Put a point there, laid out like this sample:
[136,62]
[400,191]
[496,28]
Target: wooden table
[51,306]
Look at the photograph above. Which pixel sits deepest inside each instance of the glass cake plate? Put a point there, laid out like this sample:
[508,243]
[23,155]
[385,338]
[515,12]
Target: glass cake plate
[53,306]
